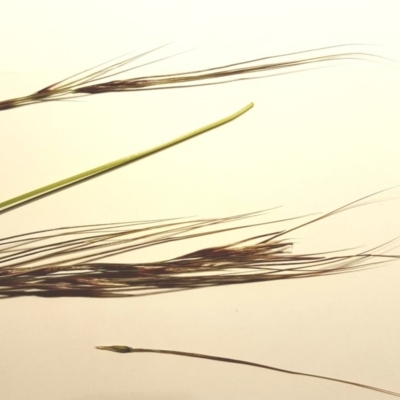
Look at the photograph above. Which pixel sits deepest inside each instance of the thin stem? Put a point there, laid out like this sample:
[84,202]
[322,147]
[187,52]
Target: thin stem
[64,183]
[126,349]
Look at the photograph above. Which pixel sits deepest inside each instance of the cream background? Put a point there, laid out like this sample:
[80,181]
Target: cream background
[314,141]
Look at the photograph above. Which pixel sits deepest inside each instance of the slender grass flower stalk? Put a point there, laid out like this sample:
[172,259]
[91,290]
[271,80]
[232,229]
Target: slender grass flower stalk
[72,261]
[97,80]
[127,349]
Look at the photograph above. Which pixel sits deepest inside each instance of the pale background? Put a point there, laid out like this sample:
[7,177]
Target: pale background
[314,141]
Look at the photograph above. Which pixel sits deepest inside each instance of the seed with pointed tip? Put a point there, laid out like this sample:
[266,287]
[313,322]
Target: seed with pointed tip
[117,349]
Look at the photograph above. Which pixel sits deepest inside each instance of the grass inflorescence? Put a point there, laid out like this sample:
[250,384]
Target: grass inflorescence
[97,80]
[72,261]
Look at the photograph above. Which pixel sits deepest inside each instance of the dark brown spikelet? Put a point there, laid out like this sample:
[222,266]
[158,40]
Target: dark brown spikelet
[71,261]
[88,81]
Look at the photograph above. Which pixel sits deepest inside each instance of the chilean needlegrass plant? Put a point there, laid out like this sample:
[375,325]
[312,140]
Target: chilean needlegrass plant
[72,261]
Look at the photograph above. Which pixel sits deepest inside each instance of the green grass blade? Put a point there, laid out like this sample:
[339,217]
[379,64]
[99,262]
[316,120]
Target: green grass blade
[25,198]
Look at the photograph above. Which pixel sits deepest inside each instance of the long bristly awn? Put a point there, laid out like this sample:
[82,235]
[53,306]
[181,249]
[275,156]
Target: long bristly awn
[127,349]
